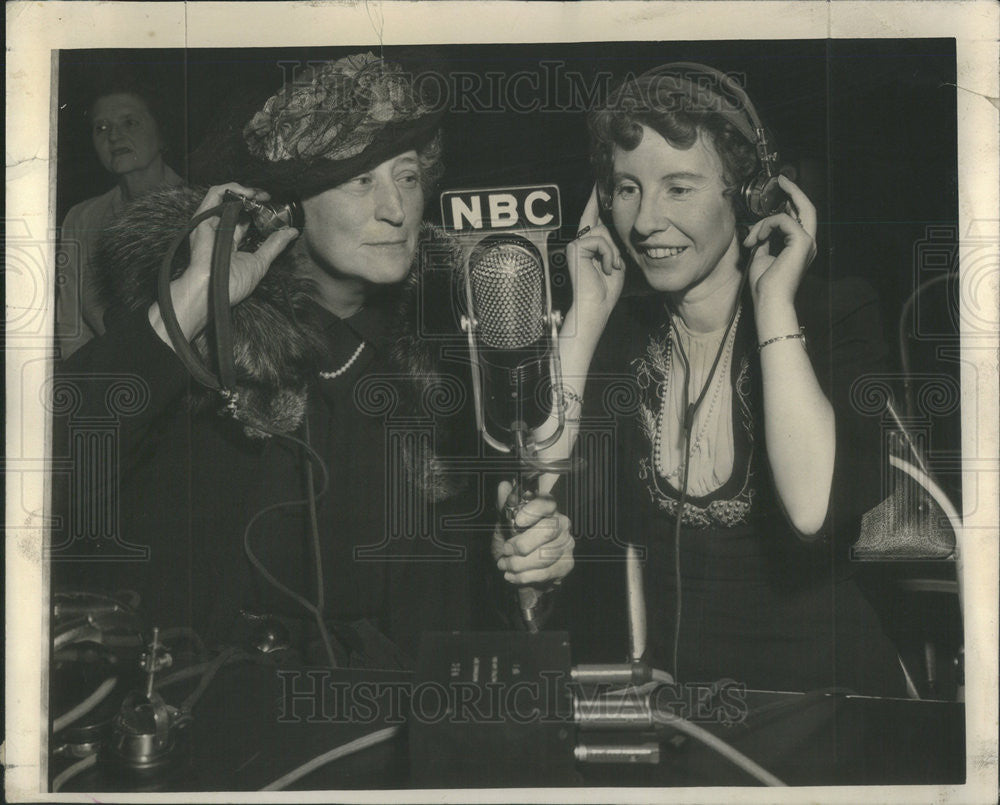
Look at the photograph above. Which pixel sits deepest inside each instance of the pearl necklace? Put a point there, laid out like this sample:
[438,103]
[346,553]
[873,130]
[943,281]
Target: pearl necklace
[346,366]
[717,382]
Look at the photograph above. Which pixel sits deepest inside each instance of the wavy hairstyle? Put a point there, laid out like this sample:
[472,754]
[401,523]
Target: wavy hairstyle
[676,116]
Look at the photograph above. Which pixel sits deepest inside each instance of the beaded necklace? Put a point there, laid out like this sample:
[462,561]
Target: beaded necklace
[346,366]
[717,382]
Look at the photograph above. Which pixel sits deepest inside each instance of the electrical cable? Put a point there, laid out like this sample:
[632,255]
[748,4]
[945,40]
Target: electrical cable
[317,558]
[313,520]
[168,315]
[635,690]
[715,743]
[659,675]
[226,381]
[800,700]
[222,318]
[366,741]
[904,351]
[81,629]
[679,597]
[166,635]
[664,718]
[101,692]
[947,507]
[181,675]
[72,595]
[310,500]
[70,772]
[689,413]
[184,674]
[914,451]
[213,668]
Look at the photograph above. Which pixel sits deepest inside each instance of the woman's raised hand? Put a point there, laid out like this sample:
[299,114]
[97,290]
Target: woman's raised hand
[540,551]
[189,291]
[596,270]
[775,279]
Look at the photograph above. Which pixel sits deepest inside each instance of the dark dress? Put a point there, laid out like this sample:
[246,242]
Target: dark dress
[183,485]
[759,604]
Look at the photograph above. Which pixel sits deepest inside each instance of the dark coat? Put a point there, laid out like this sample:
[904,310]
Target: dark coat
[164,489]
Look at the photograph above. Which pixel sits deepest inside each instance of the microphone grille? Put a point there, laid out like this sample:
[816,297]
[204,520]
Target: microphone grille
[508,292]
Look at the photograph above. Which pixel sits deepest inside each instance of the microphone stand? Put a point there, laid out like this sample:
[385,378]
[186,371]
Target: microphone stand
[525,489]
[524,447]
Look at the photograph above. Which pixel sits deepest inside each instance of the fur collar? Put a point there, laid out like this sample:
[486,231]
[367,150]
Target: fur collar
[278,345]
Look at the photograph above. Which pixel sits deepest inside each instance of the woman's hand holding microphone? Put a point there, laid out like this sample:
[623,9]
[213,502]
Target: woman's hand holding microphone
[537,547]
[189,291]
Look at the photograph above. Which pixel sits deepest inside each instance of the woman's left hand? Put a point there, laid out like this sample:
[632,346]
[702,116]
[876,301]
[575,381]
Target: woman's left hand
[777,278]
[540,550]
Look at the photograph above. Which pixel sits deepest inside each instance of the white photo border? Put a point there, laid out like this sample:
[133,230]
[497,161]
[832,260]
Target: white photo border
[37,31]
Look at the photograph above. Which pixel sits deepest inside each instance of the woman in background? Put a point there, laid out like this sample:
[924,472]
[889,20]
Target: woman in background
[129,143]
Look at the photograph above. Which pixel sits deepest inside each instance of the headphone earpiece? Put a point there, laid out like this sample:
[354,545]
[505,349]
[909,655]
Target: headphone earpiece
[762,196]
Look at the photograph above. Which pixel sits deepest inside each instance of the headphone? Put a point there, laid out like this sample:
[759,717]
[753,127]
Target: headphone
[761,195]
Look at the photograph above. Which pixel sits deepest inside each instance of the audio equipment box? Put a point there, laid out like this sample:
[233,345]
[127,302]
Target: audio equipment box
[492,709]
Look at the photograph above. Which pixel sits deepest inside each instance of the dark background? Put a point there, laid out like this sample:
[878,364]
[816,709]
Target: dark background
[868,126]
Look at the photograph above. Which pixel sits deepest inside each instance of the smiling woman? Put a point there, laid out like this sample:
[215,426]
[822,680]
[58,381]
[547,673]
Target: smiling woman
[743,466]
[679,224]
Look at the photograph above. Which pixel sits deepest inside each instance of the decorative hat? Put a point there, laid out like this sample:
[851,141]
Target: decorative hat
[336,120]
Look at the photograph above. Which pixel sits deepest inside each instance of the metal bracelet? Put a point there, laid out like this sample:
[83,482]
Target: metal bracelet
[800,335]
[569,394]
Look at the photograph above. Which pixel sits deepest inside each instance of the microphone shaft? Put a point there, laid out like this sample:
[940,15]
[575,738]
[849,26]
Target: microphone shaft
[514,386]
[528,597]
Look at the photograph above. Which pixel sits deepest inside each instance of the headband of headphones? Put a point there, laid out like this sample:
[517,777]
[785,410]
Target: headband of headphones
[761,195]
[678,77]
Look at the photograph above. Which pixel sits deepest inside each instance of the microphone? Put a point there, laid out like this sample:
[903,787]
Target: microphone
[509,321]
[511,328]
[507,286]
[515,362]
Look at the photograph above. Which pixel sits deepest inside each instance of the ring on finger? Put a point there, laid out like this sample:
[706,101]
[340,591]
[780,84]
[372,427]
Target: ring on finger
[583,232]
[510,512]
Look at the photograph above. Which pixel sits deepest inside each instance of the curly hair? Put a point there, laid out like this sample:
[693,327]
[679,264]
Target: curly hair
[676,116]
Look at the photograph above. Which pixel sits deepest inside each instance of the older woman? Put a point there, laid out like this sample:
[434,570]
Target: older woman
[337,534]
[129,143]
[740,466]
